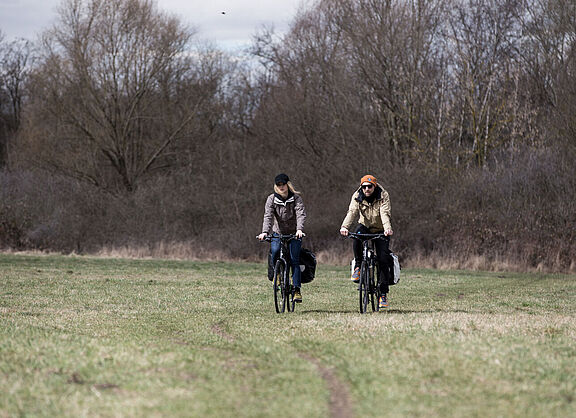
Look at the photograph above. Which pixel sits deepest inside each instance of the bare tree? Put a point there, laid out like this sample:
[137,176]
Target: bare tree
[484,36]
[15,63]
[308,98]
[548,54]
[396,52]
[120,93]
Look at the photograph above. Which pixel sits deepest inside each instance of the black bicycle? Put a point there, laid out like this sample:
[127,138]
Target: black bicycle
[368,288]
[282,283]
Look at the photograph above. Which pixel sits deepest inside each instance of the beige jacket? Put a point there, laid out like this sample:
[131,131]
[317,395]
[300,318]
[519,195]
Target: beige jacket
[375,216]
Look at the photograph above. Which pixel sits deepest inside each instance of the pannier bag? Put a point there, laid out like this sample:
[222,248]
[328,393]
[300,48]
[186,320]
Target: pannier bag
[396,269]
[393,264]
[307,265]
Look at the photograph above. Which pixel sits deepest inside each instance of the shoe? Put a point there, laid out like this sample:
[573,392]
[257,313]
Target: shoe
[356,275]
[383,303]
[297,296]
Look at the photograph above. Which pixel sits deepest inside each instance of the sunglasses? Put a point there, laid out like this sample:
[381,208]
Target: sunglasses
[280,184]
[368,186]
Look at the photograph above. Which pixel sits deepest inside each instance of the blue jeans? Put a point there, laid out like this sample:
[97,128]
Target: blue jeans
[294,247]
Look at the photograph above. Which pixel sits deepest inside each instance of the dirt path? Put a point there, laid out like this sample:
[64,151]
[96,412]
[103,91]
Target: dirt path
[340,405]
[218,328]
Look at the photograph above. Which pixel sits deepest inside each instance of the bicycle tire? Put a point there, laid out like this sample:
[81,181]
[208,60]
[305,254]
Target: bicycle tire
[364,287]
[279,287]
[374,288]
[289,291]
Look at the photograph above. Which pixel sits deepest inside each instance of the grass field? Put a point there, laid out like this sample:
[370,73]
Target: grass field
[84,336]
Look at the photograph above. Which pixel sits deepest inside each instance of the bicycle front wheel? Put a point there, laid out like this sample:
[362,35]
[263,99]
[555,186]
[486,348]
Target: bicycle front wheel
[280,291]
[364,288]
[374,293]
[289,290]
[377,280]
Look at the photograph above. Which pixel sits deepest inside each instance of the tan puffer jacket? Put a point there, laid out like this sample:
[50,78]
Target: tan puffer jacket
[375,216]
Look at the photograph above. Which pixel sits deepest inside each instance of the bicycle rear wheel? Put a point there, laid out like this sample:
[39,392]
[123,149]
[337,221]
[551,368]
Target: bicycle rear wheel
[364,288]
[280,290]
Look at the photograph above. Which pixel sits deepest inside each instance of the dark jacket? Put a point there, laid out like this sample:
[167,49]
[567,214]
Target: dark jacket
[284,216]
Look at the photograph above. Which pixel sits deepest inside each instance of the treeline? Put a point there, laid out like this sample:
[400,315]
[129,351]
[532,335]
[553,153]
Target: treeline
[120,133]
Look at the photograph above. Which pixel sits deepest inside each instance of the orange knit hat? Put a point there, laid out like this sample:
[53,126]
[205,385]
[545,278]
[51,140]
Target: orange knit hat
[368,178]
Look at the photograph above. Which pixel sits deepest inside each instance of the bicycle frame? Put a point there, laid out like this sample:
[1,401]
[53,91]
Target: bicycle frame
[283,266]
[369,291]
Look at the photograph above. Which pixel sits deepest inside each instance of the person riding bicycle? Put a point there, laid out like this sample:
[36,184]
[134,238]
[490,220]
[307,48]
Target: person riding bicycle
[284,214]
[370,206]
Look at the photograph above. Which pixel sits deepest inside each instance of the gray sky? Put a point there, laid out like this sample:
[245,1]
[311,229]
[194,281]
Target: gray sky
[27,18]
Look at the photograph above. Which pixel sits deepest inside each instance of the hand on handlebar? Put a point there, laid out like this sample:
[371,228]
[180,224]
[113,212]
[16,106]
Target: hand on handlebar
[264,236]
[344,232]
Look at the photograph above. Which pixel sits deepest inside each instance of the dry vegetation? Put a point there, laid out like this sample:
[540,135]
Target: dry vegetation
[464,110]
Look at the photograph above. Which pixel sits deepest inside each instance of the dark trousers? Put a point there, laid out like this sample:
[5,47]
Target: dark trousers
[382,246]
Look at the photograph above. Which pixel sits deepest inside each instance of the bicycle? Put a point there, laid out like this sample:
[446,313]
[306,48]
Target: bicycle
[368,289]
[282,282]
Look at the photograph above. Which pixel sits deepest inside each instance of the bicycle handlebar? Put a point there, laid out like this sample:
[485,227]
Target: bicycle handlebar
[365,237]
[288,237]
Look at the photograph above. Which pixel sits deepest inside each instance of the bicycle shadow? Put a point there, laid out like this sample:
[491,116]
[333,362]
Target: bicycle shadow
[336,311]
[384,311]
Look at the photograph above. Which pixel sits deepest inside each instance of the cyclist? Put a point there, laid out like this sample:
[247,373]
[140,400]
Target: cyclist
[284,214]
[370,206]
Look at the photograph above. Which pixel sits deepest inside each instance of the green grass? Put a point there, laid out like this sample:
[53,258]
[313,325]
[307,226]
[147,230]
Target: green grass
[84,336]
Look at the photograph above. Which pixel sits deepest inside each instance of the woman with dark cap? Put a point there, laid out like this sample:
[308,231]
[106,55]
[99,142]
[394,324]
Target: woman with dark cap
[370,207]
[284,214]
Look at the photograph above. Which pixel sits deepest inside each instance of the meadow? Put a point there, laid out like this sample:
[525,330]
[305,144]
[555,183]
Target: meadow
[83,336]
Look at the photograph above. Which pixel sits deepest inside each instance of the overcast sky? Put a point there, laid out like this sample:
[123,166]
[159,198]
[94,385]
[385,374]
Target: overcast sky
[231,30]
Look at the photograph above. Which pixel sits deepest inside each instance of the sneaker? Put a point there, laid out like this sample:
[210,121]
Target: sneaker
[297,296]
[356,275]
[383,303]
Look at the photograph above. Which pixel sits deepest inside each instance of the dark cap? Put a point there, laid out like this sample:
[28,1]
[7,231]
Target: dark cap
[281,178]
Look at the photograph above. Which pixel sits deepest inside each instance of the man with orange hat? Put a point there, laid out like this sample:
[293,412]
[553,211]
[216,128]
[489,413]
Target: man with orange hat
[370,206]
